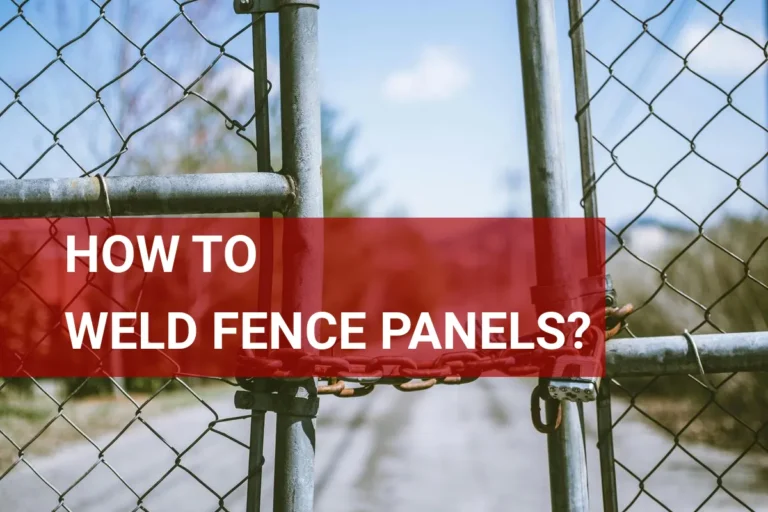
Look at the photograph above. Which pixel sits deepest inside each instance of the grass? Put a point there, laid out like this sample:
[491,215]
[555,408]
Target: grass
[32,421]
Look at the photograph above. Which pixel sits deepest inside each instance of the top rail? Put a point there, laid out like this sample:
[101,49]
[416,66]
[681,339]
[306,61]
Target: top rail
[145,195]
[670,355]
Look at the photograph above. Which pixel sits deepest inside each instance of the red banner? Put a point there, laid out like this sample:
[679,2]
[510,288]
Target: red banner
[252,297]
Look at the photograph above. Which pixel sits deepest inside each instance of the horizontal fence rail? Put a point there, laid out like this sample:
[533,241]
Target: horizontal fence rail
[676,355]
[145,195]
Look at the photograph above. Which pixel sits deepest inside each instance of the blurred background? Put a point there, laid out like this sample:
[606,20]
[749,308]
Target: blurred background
[423,117]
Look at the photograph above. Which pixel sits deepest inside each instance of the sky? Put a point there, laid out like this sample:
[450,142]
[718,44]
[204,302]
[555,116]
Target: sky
[435,89]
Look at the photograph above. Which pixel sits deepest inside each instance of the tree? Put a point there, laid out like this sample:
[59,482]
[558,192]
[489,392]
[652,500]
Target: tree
[178,93]
[180,102]
[341,179]
[216,146]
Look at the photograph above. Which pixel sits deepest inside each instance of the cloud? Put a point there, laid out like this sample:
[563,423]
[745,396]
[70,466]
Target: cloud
[723,52]
[238,80]
[439,74]
[273,73]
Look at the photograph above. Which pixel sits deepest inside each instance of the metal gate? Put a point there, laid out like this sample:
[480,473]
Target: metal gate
[296,191]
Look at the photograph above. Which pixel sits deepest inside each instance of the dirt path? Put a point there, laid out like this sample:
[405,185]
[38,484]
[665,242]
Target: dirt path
[462,448]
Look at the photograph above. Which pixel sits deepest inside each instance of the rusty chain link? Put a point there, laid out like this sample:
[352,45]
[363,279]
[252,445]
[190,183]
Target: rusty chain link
[405,374]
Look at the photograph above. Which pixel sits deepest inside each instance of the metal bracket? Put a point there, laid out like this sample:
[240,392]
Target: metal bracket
[280,404]
[265,6]
[611,300]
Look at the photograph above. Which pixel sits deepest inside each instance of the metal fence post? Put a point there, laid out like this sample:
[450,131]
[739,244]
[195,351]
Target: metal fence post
[302,283]
[266,236]
[541,87]
[584,121]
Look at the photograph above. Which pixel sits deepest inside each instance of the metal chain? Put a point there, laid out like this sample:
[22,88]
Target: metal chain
[404,373]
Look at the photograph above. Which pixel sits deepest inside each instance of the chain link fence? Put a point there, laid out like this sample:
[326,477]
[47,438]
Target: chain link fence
[99,89]
[680,138]
[672,119]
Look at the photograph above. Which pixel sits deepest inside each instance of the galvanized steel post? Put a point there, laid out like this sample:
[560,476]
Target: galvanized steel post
[302,281]
[266,242]
[541,87]
[589,188]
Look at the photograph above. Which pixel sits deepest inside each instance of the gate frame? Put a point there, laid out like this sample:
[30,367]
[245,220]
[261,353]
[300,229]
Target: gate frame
[297,192]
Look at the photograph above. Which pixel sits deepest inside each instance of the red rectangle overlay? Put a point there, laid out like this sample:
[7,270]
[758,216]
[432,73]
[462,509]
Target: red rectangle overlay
[249,297]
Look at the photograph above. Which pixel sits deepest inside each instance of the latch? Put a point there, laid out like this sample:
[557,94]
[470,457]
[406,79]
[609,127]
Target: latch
[265,6]
[576,388]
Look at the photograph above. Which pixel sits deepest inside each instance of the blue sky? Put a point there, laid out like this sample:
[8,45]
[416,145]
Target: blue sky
[444,135]
[435,89]
[445,154]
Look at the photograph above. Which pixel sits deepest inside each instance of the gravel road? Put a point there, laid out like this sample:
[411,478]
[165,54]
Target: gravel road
[452,448]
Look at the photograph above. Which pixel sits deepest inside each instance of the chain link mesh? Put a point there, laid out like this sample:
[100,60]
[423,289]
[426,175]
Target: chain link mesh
[118,87]
[678,112]
[159,89]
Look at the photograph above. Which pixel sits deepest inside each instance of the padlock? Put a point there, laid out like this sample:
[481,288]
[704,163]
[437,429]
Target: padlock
[584,386]
[578,388]
[574,390]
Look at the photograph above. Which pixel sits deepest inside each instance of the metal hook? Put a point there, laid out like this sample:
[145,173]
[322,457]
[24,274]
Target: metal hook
[539,425]
[707,384]
[107,205]
[416,385]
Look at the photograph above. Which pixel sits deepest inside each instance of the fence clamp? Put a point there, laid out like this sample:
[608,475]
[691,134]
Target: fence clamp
[277,403]
[265,6]
[540,394]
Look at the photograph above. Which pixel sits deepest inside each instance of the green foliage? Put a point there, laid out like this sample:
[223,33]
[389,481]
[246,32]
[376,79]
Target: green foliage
[341,179]
[206,144]
[728,282]
[16,385]
[82,388]
[195,139]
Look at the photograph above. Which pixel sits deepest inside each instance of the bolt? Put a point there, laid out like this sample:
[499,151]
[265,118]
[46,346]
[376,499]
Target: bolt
[246,4]
[243,400]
